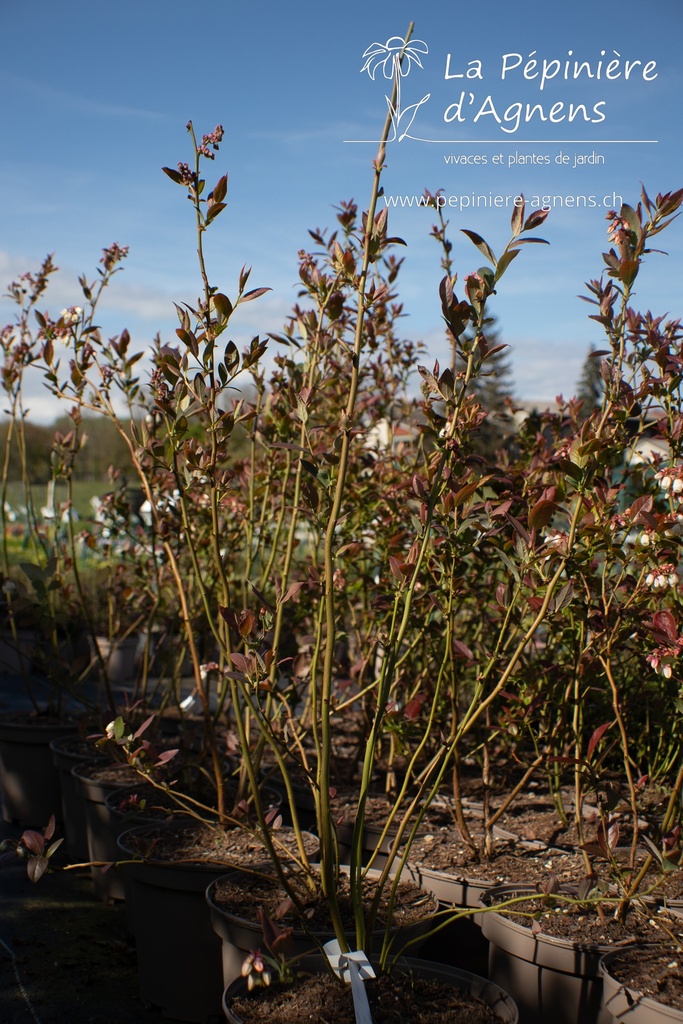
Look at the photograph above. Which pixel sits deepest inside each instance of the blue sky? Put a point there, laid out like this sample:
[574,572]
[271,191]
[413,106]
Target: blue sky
[94,99]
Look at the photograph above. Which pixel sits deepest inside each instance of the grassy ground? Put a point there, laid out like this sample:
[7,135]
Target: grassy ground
[83,491]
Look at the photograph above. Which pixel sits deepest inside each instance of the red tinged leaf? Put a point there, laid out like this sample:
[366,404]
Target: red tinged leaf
[536,218]
[145,725]
[596,737]
[221,189]
[166,755]
[33,841]
[243,663]
[642,504]
[517,219]
[395,567]
[541,514]
[461,650]
[291,592]
[254,294]
[173,175]
[412,710]
[664,622]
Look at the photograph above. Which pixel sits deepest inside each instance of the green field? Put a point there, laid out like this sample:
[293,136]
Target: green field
[83,491]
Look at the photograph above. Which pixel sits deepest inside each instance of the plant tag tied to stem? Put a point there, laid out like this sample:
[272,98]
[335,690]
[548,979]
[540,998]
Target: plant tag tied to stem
[355,968]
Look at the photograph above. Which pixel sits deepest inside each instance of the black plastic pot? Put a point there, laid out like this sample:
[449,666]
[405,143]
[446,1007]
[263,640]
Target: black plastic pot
[502,1005]
[240,935]
[29,781]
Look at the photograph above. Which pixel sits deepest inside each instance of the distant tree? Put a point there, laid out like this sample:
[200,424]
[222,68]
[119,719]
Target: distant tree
[38,445]
[103,448]
[590,387]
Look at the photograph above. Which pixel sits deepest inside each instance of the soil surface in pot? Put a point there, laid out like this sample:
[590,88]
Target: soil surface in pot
[393,1000]
[655,973]
[242,896]
[191,842]
[583,924]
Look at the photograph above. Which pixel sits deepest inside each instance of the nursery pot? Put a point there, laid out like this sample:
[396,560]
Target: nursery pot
[95,780]
[120,657]
[550,979]
[501,1004]
[461,942]
[624,1002]
[240,935]
[67,752]
[29,781]
[178,953]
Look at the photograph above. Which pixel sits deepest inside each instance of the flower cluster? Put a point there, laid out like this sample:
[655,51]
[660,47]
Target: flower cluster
[619,232]
[70,316]
[671,481]
[211,142]
[187,175]
[662,658]
[113,255]
[663,577]
[255,970]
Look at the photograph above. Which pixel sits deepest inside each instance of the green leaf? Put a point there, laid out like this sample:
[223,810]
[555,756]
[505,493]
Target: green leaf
[504,262]
[222,305]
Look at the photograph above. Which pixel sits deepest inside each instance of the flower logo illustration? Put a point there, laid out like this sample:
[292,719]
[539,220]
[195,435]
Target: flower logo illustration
[395,58]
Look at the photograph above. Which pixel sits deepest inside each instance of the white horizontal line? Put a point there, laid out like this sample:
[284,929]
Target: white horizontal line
[535,142]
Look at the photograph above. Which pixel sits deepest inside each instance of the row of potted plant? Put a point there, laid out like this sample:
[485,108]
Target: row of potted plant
[369,613]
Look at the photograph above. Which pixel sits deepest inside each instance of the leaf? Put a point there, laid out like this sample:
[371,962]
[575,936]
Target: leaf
[291,592]
[412,709]
[664,622]
[33,841]
[254,294]
[220,190]
[517,219]
[167,755]
[222,305]
[481,245]
[504,262]
[214,211]
[173,175]
[145,725]
[36,868]
[536,218]
[395,566]
[461,650]
[595,738]
[242,663]
[541,514]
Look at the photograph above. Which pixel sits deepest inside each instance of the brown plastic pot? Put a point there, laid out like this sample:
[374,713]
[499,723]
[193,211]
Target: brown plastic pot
[626,1004]
[550,979]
